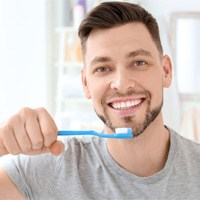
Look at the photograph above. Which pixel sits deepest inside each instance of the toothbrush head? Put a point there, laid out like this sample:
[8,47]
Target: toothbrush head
[123,133]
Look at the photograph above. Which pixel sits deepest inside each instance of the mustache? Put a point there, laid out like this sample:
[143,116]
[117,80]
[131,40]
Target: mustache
[129,93]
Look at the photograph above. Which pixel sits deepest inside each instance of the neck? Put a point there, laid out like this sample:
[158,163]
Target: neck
[144,155]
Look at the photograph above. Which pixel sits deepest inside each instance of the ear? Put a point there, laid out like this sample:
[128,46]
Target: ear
[85,83]
[167,71]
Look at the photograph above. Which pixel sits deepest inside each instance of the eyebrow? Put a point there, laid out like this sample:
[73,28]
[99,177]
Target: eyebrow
[102,59]
[139,52]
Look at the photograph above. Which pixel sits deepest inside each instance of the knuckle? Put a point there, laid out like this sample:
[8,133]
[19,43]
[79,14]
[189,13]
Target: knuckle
[26,112]
[41,109]
[14,120]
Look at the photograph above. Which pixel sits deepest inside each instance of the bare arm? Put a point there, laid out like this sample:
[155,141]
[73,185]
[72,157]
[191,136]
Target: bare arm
[8,189]
[31,132]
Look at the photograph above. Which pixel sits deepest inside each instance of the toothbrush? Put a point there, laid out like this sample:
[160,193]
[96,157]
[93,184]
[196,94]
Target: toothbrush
[120,133]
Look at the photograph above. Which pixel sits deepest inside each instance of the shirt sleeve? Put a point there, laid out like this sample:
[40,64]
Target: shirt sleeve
[31,174]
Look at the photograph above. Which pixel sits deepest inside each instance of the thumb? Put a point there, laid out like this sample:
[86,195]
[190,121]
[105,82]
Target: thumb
[57,148]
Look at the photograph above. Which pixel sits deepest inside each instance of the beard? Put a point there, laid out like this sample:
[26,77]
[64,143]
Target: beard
[137,127]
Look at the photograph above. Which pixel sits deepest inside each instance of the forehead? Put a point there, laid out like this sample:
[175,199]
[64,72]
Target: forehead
[119,40]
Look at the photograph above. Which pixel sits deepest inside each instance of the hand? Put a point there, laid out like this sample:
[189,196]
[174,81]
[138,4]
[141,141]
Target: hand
[30,131]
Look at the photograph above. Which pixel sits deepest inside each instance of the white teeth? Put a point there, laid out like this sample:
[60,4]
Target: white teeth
[126,104]
[123,105]
[118,105]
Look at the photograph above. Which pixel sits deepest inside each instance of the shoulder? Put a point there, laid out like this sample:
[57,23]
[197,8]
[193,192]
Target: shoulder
[190,144]
[186,147]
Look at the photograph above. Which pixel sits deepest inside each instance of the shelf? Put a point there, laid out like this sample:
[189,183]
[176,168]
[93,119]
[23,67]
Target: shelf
[72,108]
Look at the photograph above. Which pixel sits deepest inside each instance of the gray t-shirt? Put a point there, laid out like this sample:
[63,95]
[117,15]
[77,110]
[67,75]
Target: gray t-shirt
[86,171]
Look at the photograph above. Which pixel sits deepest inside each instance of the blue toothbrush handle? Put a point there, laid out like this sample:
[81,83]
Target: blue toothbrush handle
[91,132]
[74,132]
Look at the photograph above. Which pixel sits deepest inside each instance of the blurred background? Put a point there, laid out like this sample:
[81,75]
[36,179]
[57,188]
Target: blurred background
[40,60]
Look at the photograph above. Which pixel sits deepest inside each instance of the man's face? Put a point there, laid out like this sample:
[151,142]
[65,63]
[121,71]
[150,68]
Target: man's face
[124,76]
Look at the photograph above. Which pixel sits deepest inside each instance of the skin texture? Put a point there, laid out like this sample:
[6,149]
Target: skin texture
[120,68]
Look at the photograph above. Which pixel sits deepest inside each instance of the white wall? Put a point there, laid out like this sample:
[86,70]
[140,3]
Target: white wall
[23,65]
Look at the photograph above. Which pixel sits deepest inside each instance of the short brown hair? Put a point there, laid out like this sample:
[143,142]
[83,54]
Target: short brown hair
[111,14]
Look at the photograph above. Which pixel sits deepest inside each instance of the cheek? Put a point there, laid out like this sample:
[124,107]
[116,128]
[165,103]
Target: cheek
[96,90]
[155,86]
[157,89]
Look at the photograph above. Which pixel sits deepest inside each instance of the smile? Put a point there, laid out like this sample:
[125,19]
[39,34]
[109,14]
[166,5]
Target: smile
[125,105]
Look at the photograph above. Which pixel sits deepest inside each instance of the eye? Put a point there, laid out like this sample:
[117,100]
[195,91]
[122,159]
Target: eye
[140,63]
[102,69]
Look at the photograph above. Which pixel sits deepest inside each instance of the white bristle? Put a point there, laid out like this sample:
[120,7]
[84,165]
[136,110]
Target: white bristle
[121,130]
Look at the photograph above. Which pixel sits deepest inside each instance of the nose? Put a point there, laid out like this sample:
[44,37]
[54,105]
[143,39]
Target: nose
[122,81]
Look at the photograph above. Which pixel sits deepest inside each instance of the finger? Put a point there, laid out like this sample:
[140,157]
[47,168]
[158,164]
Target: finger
[9,141]
[3,149]
[42,150]
[56,148]
[32,128]
[22,136]
[47,126]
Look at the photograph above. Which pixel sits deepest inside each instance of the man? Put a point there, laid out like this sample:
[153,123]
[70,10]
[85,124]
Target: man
[125,73]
